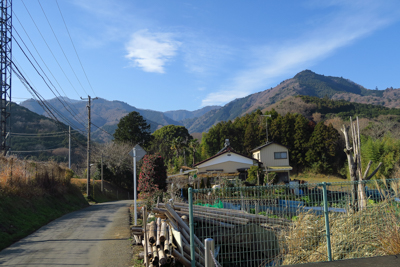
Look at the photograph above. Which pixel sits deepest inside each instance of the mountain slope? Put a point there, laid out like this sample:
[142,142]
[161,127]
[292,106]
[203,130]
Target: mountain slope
[24,121]
[104,114]
[179,115]
[304,83]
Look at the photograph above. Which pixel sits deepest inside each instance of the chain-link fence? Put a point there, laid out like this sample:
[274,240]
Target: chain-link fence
[298,223]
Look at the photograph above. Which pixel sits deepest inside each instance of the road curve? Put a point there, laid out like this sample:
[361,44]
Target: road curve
[94,236]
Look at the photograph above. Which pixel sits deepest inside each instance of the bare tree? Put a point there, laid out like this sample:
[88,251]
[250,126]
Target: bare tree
[359,199]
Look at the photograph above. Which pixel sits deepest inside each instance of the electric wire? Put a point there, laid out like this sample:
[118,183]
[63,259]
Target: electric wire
[64,104]
[33,151]
[65,24]
[44,62]
[44,13]
[48,135]
[100,128]
[44,104]
[50,49]
[62,116]
[36,95]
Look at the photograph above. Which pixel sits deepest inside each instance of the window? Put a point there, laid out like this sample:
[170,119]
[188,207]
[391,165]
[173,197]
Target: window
[280,155]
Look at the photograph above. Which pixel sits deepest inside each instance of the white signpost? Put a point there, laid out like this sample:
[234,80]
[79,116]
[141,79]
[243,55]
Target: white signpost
[136,153]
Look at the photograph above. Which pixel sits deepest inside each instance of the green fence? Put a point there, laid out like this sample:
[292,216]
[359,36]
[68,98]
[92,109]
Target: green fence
[297,223]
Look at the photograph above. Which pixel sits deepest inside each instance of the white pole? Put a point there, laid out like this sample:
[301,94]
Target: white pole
[134,182]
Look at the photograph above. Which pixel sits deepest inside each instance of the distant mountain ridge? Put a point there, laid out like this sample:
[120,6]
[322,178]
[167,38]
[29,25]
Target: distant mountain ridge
[107,114]
[304,83]
[179,115]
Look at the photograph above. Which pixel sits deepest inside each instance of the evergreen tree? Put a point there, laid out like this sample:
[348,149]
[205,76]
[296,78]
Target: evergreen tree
[133,129]
[322,148]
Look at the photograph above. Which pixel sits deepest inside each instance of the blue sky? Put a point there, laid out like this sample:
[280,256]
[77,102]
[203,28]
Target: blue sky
[169,55]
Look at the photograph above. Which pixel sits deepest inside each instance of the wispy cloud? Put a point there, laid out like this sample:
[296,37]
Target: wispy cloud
[354,21]
[150,51]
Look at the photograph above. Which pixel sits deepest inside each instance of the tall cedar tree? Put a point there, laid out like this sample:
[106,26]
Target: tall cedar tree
[153,174]
[134,129]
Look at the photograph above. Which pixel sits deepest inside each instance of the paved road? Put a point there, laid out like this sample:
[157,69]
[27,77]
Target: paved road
[95,236]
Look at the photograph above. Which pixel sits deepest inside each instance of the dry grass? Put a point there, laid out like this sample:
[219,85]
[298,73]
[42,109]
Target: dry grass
[374,231]
[317,178]
[352,236]
[28,178]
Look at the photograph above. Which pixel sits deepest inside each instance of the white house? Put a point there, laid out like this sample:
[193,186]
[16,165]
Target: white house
[275,158]
[226,161]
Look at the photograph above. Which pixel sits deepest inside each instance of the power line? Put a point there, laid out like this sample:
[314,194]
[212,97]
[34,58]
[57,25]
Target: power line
[33,151]
[61,46]
[62,116]
[100,128]
[75,48]
[51,51]
[46,106]
[44,62]
[64,104]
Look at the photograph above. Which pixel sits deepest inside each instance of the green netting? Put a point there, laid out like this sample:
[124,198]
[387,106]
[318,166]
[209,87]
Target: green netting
[217,204]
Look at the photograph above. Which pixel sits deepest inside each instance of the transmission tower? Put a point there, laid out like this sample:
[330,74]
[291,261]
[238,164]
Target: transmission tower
[5,67]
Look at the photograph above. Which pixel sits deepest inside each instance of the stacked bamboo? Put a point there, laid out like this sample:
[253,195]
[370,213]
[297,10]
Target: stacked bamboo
[225,218]
[158,240]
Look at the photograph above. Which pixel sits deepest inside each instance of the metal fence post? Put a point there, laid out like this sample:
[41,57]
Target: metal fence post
[326,215]
[191,224]
[209,248]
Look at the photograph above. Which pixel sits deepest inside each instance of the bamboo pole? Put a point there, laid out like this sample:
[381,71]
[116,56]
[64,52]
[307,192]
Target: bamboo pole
[158,241]
[218,217]
[185,219]
[187,256]
[178,256]
[201,216]
[236,213]
[152,233]
[149,248]
[161,254]
[155,253]
[163,231]
[198,257]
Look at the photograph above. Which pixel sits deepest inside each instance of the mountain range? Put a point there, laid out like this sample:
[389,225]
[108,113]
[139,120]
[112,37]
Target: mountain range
[106,114]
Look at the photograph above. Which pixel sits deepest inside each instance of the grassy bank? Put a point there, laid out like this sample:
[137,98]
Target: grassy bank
[31,195]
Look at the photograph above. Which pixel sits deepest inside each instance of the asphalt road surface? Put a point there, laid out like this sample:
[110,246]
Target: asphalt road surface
[95,236]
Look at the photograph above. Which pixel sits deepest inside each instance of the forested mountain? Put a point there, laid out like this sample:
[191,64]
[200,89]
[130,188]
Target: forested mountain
[179,115]
[304,83]
[105,114]
[33,132]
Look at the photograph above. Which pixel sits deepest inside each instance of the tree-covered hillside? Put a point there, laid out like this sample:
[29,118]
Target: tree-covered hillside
[33,132]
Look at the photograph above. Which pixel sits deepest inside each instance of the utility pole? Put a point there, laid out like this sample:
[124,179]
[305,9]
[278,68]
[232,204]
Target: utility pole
[102,185]
[69,148]
[267,124]
[5,69]
[88,145]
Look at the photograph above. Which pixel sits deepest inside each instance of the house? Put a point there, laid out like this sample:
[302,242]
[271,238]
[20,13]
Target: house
[274,158]
[227,160]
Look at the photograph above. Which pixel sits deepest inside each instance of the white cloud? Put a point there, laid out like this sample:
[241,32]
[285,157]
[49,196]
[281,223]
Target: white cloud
[271,61]
[150,51]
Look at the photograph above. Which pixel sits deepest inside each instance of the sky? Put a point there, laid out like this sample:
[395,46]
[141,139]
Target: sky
[171,55]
